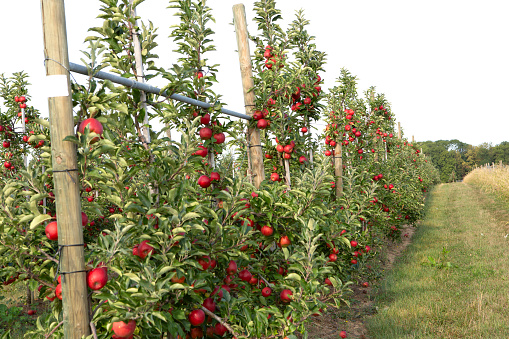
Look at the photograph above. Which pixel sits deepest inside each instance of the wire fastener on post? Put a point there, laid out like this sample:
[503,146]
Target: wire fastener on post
[60,261]
[249,146]
[67,170]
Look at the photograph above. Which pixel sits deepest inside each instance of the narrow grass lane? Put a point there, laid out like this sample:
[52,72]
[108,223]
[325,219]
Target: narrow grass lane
[424,298]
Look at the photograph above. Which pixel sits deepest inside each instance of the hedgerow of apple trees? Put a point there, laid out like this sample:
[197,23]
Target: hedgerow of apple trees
[175,248]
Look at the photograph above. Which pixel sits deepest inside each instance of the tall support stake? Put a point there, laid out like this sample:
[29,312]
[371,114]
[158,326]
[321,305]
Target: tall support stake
[65,175]
[246,70]
[140,76]
[338,169]
[399,130]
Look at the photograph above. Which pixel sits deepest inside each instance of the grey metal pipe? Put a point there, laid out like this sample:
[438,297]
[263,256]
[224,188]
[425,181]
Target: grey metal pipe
[151,89]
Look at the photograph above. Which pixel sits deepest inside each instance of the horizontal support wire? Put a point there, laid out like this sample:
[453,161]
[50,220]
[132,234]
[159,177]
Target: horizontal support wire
[151,89]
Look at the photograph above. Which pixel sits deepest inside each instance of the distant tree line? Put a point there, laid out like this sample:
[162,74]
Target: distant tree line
[454,159]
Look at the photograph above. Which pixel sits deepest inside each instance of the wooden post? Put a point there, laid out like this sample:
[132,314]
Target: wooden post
[140,76]
[65,175]
[413,139]
[338,169]
[399,130]
[246,70]
[287,175]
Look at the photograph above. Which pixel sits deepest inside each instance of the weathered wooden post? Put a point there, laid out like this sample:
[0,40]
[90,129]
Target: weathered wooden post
[399,130]
[65,174]
[338,169]
[246,70]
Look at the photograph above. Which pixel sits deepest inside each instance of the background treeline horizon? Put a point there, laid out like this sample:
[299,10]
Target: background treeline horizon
[455,159]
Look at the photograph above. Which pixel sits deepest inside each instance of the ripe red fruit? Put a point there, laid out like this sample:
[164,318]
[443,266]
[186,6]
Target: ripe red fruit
[97,278]
[90,199]
[205,119]
[124,330]
[144,249]
[353,243]
[342,334]
[304,129]
[7,164]
[220,329]
[220,138]
[204,181]
[274,177]
[215,176]
[267,230]
[280,148]
[23,106]
[328,282]
[327,153]
[353,261]
[245,275]
[307,101]
[51,230]
[22,99]
[6,144]
[284,241]
[205,133]
[266,291]
[268,156]
[287,156]
[209,304]
[84,219]
[204,262]
[333,257]
[58,291]
[302,159]
[94,126]
[30,312]
[262,124]
[285,295]
[196,317]
[288,149]
[365,284]
[232,268]
[196,332]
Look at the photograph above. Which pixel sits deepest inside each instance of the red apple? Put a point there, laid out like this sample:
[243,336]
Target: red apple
[267,230]
[209,304]
[302,159]
[353,243]
[58,291]
[288,149]
[204,181]
[285,295]
[205,133]
[215,176]
[284,241]
[123,330]
[6,144]
[266,291]
[204,262]
[232,268]
[196,332]
[144,249]
[220,138]
[333,257]
[30,312]
[196,317]
[274,177]
[84,219]
[220,329]
[328,282]
[245,275]
[51,231]
[342,334]
[94,126]
[97,278]
[205,119]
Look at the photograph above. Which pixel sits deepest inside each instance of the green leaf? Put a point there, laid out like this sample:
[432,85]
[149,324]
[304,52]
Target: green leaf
[293,276]
[38,220]
[190,215]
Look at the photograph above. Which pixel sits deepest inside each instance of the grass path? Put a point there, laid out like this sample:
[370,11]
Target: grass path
[468,300]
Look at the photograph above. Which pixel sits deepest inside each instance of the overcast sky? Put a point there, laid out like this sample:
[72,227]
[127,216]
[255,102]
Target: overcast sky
[443,64]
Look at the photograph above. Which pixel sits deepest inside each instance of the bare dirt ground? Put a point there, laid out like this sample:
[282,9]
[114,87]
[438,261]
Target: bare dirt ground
[352,319]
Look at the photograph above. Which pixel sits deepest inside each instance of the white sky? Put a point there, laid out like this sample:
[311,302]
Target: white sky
[443,64]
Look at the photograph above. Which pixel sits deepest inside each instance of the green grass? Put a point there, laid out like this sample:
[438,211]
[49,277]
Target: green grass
[424,298]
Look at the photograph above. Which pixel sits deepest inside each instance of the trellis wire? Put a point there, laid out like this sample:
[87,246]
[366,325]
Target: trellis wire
[151,89]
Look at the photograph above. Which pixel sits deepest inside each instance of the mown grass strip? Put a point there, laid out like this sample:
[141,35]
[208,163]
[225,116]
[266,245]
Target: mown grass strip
[423,298]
